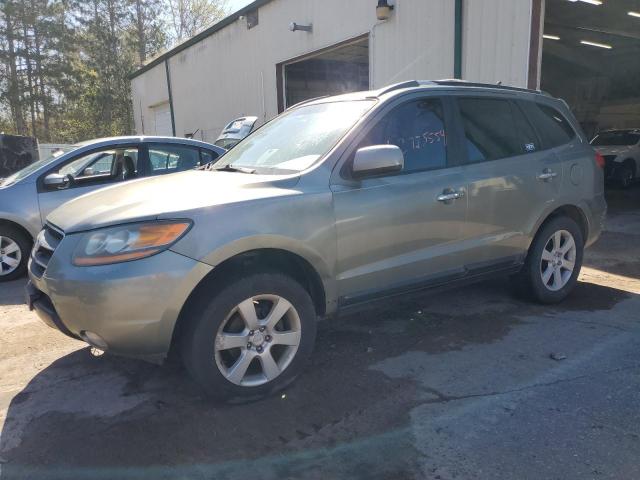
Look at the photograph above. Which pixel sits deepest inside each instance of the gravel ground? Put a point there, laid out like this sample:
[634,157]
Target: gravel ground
[457,385]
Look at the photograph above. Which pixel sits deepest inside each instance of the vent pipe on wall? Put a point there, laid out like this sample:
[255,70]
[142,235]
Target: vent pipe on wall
[457,54]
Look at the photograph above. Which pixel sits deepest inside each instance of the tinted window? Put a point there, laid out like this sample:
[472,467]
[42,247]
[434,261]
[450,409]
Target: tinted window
[616,139]
[553,128]
[172,158]
[418,128]
[493,130]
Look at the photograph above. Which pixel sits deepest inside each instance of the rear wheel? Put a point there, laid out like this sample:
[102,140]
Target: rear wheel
[14,253]
[553,262]
[626,174]
[252,339]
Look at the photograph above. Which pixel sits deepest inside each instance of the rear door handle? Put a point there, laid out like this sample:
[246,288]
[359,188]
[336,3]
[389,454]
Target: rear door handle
[448,196]
[547,174]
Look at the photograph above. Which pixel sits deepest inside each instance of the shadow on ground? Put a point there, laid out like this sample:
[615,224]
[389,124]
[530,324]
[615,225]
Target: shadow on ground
[12,293]
[107,417]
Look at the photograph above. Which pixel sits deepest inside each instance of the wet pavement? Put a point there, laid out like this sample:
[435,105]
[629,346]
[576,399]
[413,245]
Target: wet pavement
[464,384]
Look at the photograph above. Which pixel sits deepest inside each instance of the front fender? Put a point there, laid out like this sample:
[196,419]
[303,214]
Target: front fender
[259,242]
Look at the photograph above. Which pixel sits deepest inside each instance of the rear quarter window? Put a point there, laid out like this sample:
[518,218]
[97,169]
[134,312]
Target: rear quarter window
[552,126]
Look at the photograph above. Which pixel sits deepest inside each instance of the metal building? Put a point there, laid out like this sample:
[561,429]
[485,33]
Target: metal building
[275,53]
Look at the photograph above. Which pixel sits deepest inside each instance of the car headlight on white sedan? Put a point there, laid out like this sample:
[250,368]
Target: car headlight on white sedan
[125,243]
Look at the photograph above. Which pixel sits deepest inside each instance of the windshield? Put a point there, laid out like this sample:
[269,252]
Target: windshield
[296,140]
[29,169]
[616,139]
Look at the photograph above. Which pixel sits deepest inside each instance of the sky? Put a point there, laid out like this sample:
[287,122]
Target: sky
[235,5]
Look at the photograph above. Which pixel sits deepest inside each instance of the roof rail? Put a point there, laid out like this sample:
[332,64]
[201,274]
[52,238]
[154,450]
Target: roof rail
[398,86]
[452,82]
[308,100]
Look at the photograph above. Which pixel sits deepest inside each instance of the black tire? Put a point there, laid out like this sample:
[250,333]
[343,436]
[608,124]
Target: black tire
[529,281]
[626,174]
[197,344]
[24,242]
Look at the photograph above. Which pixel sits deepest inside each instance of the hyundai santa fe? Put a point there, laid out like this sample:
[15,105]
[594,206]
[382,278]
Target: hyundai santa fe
[336,202]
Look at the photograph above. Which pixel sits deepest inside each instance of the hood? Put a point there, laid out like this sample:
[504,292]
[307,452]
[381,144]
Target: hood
[166,196]
[613,150]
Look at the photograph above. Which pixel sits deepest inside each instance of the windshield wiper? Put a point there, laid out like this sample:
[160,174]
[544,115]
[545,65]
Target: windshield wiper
[233,168]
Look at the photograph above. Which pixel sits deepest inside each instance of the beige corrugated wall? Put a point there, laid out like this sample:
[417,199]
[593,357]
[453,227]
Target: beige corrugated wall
[233,72]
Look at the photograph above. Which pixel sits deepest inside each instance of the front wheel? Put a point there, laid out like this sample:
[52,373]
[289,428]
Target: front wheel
[553,262]
[14,253]
[252,338]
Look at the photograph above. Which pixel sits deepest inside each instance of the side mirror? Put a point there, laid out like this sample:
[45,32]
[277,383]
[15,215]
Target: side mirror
[56,180]
[377,160]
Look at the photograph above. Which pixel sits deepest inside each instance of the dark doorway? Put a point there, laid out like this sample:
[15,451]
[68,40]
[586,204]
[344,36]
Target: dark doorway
[332,71]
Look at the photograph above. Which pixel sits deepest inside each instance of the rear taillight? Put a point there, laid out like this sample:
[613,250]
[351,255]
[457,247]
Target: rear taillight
[600,160]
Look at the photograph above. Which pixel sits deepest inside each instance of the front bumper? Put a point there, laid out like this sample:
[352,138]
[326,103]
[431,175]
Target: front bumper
[132,306]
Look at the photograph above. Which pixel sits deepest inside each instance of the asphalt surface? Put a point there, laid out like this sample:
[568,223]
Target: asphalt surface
[467,384]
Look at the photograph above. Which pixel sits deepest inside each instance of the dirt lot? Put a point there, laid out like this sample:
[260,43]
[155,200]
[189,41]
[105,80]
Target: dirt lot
[455,385]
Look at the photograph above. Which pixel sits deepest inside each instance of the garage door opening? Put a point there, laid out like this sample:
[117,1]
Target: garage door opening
[590,57]
[336,70]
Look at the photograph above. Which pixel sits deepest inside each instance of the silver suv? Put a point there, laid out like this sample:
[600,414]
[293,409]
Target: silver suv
[336,202]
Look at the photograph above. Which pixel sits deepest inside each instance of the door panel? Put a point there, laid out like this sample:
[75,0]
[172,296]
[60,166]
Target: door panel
[397,230]
[510,179]
[394,232]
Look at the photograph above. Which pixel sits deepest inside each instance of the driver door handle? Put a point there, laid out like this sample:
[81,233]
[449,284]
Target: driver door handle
[547,174]
[450,195]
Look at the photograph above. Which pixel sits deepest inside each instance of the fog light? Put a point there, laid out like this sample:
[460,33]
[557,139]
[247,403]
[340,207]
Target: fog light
[94,340]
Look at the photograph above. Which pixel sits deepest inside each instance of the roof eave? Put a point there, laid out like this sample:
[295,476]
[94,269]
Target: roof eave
[198,37]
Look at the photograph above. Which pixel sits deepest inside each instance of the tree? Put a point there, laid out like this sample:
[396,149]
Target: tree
[148,29]
[65,64]
[188,17]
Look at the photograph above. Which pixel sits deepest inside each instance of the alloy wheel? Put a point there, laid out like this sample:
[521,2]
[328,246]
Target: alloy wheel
[257,340]
[10,256]
[558,260]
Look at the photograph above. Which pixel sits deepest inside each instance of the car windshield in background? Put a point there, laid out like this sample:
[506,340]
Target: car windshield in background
[616,139]
[29,169]
[296,140]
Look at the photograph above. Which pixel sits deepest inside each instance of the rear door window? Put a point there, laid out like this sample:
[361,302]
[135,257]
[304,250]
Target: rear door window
[493,130]
[172,158]
[554,129]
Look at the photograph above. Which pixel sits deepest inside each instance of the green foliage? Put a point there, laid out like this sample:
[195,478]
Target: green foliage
[65,64]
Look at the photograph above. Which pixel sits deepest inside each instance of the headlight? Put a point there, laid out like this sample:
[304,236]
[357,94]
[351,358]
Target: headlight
[127,242]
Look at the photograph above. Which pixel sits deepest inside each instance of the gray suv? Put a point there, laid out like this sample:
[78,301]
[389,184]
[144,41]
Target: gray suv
[334,203]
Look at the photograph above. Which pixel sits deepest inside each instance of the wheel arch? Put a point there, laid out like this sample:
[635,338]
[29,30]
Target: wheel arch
[257,260]
[574,212]
[630,161]
[4,222]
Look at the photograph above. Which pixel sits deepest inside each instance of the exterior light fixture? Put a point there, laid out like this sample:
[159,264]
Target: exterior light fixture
[596,44]
[590,2]
[634,14]
[551,37]
[383,10]
[293,26]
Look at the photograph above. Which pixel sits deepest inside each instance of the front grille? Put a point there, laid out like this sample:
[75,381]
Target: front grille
[46,243]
